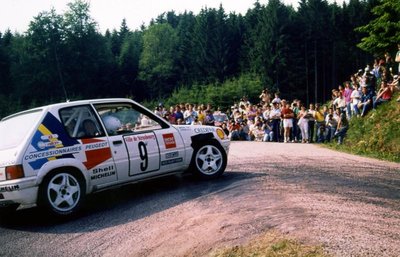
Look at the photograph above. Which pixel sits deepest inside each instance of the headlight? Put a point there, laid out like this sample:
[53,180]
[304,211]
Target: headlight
[221,134]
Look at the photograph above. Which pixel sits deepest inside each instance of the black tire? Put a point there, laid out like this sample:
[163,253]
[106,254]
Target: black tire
[62,193]
[209,160]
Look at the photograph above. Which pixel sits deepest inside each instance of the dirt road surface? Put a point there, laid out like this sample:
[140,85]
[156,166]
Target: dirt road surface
[349,205]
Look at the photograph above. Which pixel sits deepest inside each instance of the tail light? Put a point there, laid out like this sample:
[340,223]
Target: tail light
[14,172]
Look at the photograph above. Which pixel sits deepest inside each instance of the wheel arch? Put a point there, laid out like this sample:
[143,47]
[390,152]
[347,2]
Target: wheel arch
[63,165]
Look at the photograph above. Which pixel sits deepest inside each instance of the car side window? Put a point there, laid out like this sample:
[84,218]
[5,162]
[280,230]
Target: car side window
[122,118]
[80,122]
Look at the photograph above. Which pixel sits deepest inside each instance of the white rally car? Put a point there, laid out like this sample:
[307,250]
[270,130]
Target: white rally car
[53,156]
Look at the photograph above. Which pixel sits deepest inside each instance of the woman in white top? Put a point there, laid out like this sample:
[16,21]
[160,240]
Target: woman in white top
[355,99]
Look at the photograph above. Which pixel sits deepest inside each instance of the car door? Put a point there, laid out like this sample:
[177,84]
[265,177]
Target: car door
[84,129]
[138,141]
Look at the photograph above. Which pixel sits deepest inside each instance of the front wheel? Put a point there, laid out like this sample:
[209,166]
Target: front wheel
[209,160]
[62,193]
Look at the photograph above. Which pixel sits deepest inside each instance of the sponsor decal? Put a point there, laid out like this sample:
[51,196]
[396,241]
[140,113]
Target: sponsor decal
[52,153]
[50,142]
[171,155]
[97,151]
[146,137]
[172,161]
[169,140]
[42,145]
[185,128]
[49,137]
[9,188]
[99,173]
[204,130]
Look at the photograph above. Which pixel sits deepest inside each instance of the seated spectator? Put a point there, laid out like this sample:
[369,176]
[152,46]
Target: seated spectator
[234,130]
[366,101]
[256,131]
[384,94]
[268,133]
[331,126]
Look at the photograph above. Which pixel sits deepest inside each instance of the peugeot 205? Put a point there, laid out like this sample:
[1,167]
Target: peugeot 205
[53,156]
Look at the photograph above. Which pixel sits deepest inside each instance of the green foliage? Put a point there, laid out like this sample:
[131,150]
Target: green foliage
[384,31]
[157,62]
[223,95]
[302,53]
[377,134]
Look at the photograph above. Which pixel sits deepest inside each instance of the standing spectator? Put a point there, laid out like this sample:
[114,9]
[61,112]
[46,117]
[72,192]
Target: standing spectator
[178,114]
[267,111]
[209,120]
[397,59]
[277,98]
[265,97]
[287,116]
[189,115]
[296,130]
[319,123]
[347,97]
[384,94]
[303,124]
[355,99]
[311,123]
[201,115]
[340,102]
[275,116]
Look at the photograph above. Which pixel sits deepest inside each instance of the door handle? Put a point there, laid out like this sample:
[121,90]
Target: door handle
[118,142]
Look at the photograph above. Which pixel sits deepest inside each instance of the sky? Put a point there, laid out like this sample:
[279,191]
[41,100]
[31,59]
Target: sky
[17,14]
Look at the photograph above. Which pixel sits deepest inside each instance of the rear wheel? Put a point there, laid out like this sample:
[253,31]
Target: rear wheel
[209,160]
[62,193]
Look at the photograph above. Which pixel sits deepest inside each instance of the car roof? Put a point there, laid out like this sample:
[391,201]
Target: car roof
[72,103]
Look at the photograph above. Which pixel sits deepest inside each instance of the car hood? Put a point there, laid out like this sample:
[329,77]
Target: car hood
[190,130]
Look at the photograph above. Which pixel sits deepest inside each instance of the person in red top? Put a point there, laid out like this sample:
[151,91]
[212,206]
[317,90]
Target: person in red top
[384,94]
[287,116]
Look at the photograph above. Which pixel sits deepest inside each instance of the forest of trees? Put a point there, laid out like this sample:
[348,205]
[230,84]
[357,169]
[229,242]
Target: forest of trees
[303,52]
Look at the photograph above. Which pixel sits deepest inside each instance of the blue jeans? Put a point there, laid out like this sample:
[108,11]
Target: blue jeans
[378,102]
[340,134]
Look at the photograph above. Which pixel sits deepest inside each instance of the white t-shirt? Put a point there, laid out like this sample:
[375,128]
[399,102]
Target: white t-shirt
[355,96]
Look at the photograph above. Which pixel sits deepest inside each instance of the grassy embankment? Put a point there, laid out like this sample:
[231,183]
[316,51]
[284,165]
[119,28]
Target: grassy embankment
[271,245]
[376,135]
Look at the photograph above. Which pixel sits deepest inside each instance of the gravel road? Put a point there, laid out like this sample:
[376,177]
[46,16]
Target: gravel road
[350,205]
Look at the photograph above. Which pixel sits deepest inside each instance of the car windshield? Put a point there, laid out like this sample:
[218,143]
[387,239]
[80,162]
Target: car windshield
[14,129]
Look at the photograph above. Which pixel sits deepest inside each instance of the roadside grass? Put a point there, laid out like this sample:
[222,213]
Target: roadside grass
[272,244]
[376,135]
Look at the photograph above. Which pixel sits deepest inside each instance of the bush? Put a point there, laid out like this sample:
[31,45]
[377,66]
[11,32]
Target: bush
[222,95]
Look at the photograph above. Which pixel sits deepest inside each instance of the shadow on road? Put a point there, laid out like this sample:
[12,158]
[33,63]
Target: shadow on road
[126,204]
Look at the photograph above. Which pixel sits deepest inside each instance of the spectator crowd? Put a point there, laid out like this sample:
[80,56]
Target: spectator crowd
[273,119]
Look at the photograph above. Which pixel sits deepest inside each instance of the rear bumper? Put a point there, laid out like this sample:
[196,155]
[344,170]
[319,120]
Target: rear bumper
[19,191]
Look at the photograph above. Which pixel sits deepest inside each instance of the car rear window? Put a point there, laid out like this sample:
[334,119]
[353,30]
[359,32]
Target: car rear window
[15,128]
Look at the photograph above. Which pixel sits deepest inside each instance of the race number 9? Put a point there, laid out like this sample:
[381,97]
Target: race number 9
[143,156]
